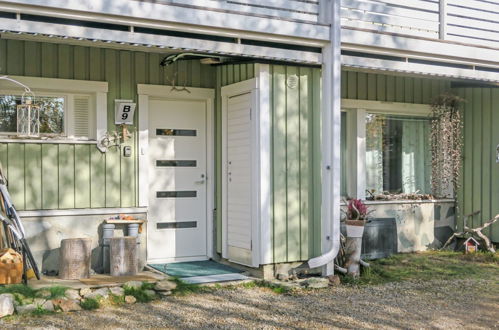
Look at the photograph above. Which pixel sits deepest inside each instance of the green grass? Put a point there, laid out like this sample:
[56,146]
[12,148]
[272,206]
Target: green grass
[184,288]
[40,311]
[431,265]
[57,291]
[22,289]
[139,293]
[90,304]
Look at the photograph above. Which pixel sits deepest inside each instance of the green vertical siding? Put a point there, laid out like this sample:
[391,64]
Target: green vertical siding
[480,176]
[57,176]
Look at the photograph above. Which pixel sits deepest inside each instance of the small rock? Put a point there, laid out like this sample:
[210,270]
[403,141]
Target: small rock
[39,301]
[25,309]
[6,304]
[48,306]
[283,277]
[85,291]
[130,299]
[72,294]
[316,283]
[150,293]
[133,284]
[334,280]
[67,305]
[102,292]
[164,293]
[44,293]
[117,291]
[165,285]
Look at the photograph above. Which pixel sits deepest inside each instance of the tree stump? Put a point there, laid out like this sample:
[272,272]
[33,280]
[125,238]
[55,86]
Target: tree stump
[74,260]
[353,249]
[123,256]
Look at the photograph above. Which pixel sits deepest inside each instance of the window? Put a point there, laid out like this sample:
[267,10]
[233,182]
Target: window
[51,117]
[398,155]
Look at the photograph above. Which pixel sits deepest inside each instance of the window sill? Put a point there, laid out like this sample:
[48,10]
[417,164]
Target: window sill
[408,201]
[48,140]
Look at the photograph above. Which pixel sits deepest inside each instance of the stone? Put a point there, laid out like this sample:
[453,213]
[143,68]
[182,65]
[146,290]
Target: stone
[72,294]
[67,305]
[165,285]
[334,280]
[133,284]
[282,277]
[316,283]
[6,304]
[39,301]
[44,293]
[130,299]
[25,309]
[102,293]
[150,293]
[165,293]
[85,291]
[48,306]
[117,291]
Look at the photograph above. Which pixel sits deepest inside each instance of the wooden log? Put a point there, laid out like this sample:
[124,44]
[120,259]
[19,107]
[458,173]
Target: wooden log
[74,260]
[123,256]
[352,253]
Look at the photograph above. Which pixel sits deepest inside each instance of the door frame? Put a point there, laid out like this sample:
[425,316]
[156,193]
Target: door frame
[145,93]
[260,166]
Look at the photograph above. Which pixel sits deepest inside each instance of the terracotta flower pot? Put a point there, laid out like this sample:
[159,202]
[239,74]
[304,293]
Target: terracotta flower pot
[355,228]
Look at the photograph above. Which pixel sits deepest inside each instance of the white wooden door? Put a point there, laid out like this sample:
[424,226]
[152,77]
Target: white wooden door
[177,181]
[239,179]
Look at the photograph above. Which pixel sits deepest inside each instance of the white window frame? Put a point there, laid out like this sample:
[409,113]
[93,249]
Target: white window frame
[357,111]
[69,89]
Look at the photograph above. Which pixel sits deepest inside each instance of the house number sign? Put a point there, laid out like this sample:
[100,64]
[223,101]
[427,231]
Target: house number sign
[124,110]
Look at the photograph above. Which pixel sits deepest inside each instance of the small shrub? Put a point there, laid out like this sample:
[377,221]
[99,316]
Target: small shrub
[139,293]
[39,311]
[116,300]
[90,304]
[22,289]
[57,291]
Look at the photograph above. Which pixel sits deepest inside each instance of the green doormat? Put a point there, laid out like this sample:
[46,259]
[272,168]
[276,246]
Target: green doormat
[200,271]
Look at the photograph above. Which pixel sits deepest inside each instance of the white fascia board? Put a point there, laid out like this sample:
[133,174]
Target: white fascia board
[194,16]
[438,48]
[68,85]
[160,25]
[158,41]
[418,68]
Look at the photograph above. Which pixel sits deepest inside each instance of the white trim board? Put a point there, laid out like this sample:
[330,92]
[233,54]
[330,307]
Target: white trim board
[147,92]
[397,108]
[74,212]
[54,84]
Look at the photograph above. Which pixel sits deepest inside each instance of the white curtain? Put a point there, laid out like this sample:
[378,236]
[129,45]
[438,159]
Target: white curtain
[374,153]
[416,156]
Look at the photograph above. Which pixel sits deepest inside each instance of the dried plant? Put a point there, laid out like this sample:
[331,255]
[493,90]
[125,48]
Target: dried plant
[357,210]
[446,144]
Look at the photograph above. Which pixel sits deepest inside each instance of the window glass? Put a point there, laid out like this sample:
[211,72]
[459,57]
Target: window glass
[51,114]
[343,156]
[398,155]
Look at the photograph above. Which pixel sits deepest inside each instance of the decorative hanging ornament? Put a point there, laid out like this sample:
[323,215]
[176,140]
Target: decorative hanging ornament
[28,116]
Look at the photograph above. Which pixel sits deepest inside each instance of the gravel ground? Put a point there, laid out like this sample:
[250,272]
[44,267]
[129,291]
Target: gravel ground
[415,305]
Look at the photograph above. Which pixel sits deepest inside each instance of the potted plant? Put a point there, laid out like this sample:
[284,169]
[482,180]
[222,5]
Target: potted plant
[356,217]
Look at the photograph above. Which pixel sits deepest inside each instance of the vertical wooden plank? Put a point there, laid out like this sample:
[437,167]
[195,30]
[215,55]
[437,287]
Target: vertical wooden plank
[317,173]
[279,157]
[371,86]
[3,56]
[237,73]
[400,89]
[408,90]
[362,86]
[32,59]
[223,75]
[33,176]
[140,68]
[352,85]
[305,159]
[49,60]
[66,176]
[154,68]
[436,89]
[128,172]
[16,167]
[494,196]
[218,158]
[468,152]
[426,91]
[15,58]
[195,73]
[477,153]
[65,61]
[487,160]
[418,91]
[50,176]
[113,165]
[293,167]
[250,69]
[97,178]
[461,192]
[230,74]
[243,72]
[95,64]
[82,178]
[344,84]
[80,62]
[4,159]
[390,88]
[381,87]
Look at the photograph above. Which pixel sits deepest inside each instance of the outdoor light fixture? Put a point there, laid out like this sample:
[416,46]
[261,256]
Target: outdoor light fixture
[28,116]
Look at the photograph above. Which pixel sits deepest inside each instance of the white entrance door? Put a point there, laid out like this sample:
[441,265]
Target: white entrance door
[177,181]
[239,179]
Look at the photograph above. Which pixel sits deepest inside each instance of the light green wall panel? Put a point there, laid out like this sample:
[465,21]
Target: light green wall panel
[79,176]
